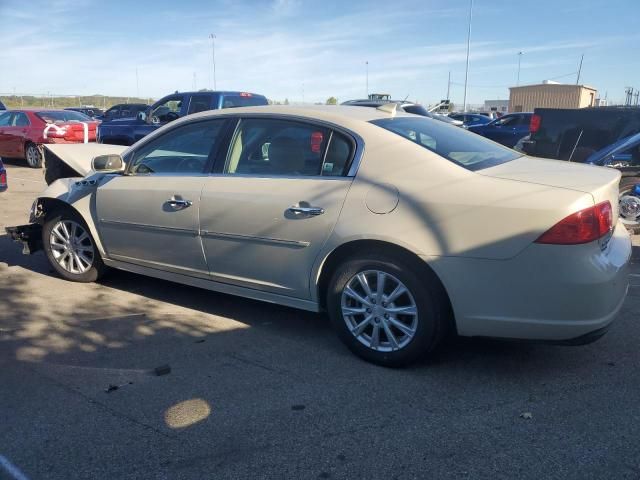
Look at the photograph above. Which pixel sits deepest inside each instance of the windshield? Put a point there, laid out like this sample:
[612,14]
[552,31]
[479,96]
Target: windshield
[463,148]
[63,116]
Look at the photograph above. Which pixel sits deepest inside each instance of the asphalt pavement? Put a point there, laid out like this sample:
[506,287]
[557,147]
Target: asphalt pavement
[251,390]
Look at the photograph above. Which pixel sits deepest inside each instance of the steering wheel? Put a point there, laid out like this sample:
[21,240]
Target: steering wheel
[171,116]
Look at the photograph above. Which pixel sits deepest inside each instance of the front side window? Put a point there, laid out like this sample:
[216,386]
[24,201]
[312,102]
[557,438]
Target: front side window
[457,145]
[286,148]
[183,150]
[168,110]
[506,121]
[5,119]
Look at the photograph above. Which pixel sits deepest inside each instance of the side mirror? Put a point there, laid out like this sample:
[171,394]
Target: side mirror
[107,164]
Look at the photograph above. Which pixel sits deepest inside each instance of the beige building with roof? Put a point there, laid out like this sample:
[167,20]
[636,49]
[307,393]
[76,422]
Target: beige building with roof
[550,95]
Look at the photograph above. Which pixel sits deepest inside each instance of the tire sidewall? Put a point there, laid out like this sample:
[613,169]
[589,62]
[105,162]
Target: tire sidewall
[97,267]
[430,310]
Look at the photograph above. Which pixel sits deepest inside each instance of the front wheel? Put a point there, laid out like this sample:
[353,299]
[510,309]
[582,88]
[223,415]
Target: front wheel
[386,310]
[70,248]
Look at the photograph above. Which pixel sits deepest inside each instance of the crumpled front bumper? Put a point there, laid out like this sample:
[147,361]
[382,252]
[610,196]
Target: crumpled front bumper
[29,235]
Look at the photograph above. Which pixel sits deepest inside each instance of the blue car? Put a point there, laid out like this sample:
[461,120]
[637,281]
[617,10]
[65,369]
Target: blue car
[2,107]
[625,153]
[470,119]
[507,130]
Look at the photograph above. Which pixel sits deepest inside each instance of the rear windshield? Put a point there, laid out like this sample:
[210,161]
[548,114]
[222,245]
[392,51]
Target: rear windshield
[232,101]
[457,145]
[63,116]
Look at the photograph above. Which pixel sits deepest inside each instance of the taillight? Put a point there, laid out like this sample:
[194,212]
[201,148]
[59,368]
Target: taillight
[3,179]
[316,141]
[245,94]
[581,227]
[534,124]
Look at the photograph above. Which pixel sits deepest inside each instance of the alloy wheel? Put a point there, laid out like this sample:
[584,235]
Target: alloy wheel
[33,156]
[71,246]
[629,206]
[379,310]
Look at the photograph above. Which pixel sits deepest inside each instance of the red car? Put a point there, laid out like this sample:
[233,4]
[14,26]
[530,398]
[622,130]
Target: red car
[23,131]
[3,177]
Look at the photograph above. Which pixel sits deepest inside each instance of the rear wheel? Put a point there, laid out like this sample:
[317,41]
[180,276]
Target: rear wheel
[70,248]
[33,155]
[629,203]
[386,310]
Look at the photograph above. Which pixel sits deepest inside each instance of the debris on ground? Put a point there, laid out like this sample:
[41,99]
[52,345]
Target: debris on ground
[298,407]
[162,370]
[199,341]
[113,387]
[526,415]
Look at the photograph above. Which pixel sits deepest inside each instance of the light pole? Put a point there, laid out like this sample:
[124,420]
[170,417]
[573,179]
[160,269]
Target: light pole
[366,66]
[213,58]
[519,59]
[466,72]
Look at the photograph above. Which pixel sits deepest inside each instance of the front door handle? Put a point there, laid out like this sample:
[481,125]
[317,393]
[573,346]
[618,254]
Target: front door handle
[179,203]
[306,210]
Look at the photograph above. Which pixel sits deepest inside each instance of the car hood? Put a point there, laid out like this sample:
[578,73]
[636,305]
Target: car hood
[78,156]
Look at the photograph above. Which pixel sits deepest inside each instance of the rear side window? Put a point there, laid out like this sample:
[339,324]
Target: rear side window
[63,116]
[20,120]
[4,119]
[287,148]
[242,100]
[199,103]
[457,145]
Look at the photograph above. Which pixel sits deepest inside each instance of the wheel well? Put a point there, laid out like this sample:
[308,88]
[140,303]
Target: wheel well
[343,252]
[45,206]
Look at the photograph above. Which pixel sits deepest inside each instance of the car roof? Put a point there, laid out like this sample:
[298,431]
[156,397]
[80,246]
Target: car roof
[329,113]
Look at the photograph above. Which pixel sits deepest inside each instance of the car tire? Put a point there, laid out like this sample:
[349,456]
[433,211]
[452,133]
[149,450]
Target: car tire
[626,195]
[417,336]
[33,155]
[70,247]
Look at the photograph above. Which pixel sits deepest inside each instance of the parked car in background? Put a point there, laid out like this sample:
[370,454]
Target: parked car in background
[3,177]
[92,112]
[469,119]
[401,227]
[600,136]
[127,131]
[23,132]
[123,110]
[403,106]
[507,130]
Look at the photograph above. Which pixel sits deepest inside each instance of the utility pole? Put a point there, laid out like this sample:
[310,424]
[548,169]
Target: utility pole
[449,85]
[466,72]
[366,66]
[213,58]
[519,59]
[579,70]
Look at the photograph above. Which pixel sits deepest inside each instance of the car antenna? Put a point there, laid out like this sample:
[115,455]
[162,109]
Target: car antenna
[405,98]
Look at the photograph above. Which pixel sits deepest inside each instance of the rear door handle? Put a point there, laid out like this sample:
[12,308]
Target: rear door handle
[307,210]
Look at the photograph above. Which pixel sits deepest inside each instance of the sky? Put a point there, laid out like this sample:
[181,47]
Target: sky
[308,51]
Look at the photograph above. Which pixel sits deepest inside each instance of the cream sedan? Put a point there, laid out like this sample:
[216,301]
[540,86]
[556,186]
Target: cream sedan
[402,228]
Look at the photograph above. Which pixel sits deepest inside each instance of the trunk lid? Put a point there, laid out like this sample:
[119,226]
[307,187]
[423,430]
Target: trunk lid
[600,182]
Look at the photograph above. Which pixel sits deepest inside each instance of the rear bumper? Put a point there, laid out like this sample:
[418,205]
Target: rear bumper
[29,235]
[558,294]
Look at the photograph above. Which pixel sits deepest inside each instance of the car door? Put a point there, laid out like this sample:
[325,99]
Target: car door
[271,205]
[5,121]
[149,216]
[502,130]
[20,133]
